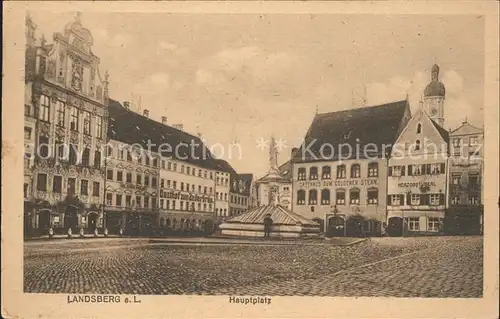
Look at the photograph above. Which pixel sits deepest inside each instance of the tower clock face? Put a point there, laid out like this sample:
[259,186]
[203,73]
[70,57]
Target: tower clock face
[434,112]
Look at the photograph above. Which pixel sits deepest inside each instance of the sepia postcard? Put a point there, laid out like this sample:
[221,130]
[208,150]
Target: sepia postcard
[250,159]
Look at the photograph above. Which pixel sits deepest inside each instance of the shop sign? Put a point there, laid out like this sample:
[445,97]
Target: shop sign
[186,197]
[339,183]
[416,184]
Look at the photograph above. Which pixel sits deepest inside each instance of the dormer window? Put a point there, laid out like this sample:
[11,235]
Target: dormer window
[347,135]
[419,128]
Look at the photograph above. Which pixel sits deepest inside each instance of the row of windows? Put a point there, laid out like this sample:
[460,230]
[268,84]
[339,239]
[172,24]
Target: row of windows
[472,179]
[76,116]
[326,172]
[222,181]
[57,181]
[152,202]
[140,157]
[221,196]
[458,141]
[186,187]
[340,197]
[433,223]
[416,199]
[238,200]
[417,169]
[221,212]
[472,200]
[128,178]
[67,153]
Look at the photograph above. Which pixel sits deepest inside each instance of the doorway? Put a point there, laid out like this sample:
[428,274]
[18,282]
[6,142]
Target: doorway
[395,228]
[336,227]
[92,221]
[44,219]
[71,217]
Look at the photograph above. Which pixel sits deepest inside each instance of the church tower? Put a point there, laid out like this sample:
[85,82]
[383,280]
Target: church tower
[434,95]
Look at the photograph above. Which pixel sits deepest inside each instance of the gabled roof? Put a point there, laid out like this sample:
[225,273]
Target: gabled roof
[379,125]
[444,133]
[279,214]
[224,166]
[131,128]
[466,129]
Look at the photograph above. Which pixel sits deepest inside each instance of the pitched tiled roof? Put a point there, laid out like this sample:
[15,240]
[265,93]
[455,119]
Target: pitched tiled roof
[131,128]
[444,133]
[379,125]
[279,214]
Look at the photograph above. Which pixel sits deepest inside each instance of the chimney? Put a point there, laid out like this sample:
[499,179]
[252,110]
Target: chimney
[421,104]
[164,120]
[294,150]
[126,105]
[146,113]
[180,127]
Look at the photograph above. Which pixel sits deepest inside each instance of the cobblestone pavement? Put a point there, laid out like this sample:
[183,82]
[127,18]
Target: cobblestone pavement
[405,267]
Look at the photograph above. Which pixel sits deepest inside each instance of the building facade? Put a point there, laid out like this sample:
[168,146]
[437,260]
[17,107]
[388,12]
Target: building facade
[240,192]
[418,178]
[161,186]
[222,190]
[340,172]
[465,213]
[66,118]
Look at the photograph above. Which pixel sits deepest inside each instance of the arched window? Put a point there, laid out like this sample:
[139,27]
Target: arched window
[341,171]
[340,197]
[326,172]
[313,173]
[419,128]
[313,197]
[301,197]
[373,170]
[182,223]
[301,176]
[168,222]
[355,171]
[174,223]
[354,196]
[372,196]
[325,197]
[417,145]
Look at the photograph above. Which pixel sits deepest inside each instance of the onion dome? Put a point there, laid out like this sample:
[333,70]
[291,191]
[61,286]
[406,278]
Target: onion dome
[435,88]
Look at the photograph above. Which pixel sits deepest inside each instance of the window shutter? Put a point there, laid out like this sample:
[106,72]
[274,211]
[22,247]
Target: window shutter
[401,199]
[428,169]
[408,199]
[426,198]
[389,200]
[390,170]
[442,168]
[422,199]
[403,170]
[441,199]
[410,172]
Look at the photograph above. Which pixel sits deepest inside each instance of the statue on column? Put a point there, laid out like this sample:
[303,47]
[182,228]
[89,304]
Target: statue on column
[273,157]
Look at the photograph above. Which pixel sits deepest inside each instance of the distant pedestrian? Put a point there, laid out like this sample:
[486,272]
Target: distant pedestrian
[268,223]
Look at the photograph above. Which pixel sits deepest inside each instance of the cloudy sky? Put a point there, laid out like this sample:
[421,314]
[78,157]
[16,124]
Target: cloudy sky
[244,77]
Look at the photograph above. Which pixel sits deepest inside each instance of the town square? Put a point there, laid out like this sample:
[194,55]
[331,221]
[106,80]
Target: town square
[383,267]
[252,163]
